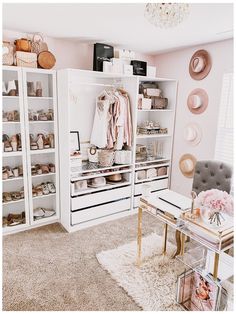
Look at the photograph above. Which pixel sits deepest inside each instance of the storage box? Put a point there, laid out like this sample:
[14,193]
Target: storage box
[140,67]
[154,92]
[26,59]
[101,53]
[124,54]
[146,103]
[128,69]
[151,71]
[107,66]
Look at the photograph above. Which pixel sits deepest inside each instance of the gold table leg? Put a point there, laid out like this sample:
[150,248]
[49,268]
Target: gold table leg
[139,239]
[178,243]
[165,239]
[182,243]
[216,264]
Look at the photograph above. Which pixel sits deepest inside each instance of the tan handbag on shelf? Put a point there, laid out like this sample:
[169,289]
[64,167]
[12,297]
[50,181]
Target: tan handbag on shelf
[23,44]
[38,44]
[7,53]
[26,59]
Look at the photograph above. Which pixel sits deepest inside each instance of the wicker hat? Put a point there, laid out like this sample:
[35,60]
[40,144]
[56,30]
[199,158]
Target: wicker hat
[200,65]
[192,133]
[187,164]
[197,101]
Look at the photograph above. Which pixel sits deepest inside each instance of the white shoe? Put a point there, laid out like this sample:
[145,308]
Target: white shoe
[4,91]
[11,89]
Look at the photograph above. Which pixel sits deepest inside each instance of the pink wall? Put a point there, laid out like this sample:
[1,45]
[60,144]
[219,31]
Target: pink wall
[175,65]
[70,53]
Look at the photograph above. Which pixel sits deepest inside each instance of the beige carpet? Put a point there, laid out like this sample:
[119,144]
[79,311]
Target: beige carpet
[49,269]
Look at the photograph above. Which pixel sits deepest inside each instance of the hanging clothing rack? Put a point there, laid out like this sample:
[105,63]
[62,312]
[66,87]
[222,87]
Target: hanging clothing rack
[102,84]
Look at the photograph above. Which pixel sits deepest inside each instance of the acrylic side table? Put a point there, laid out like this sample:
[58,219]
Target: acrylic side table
[215,241]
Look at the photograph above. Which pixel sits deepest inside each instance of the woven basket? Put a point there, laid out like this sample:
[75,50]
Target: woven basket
[106,158]
[159,103]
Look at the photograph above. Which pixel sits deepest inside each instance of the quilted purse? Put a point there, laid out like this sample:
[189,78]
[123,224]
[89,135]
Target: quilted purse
[26,59]
[7,53]
[38,44]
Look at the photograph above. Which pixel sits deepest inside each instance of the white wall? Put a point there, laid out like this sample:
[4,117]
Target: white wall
[175,65]
[70,53]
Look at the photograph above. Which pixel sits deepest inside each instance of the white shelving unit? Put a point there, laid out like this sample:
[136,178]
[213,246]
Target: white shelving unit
[77,92]
[17,158]
[166,118]
[43,156]
[28,157]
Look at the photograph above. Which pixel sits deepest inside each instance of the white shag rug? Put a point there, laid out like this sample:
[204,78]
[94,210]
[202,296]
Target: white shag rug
[153,285]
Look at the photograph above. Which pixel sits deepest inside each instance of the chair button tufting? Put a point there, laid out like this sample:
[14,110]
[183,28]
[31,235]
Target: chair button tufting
[206,165]
[217,183]
[212,174]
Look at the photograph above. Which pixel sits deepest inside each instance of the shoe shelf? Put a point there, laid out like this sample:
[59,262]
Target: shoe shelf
[144,136]
[92,176]
[42,151]
[15,228]
[44,220]
[11,123]
[43,175]
[37,105]
[41,122]
[108,186]
[151,179]
[89,167]
[44,196]
[47,104]
[13,179]
[12,154]
[39,98]
[12,79]
[158,160]
[13,202]
[10,97]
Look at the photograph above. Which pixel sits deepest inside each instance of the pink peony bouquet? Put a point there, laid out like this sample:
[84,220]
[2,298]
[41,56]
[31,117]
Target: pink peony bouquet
[216,201]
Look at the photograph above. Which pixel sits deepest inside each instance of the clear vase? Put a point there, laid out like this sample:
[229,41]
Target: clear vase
[213,219]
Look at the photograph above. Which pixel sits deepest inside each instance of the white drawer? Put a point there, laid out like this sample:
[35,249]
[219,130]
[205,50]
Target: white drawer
[99,211]
[89,200]
[155,185]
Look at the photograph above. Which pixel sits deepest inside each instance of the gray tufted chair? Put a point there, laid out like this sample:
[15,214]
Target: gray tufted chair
[212,175]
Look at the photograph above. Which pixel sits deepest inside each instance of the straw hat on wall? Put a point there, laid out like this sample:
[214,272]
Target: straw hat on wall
[187,165]
[197,101]
[192,133]
[200,65]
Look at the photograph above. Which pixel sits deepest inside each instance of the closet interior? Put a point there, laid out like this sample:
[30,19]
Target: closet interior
[99,184]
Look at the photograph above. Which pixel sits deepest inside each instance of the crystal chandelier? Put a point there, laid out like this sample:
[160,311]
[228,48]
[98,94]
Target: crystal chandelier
[166,15]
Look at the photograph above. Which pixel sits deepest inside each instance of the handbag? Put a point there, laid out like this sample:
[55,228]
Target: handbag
[38,44]
[7,53]
[23,44]
[93,154]
[26,59]
[123,157]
